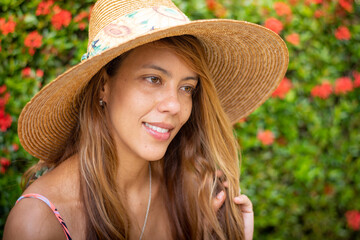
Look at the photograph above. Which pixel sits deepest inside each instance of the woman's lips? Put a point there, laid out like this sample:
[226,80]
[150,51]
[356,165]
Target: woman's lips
[160,131]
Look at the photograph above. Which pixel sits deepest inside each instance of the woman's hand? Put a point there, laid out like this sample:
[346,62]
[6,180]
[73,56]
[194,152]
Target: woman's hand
[245,206]
[246,209]
[248,215]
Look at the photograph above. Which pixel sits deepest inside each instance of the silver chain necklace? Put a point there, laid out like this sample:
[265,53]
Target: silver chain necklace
[148,206]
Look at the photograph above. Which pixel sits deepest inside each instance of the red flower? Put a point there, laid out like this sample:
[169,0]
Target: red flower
[2,107]
[283,88]
[342,33]
[62,18]
[242,120]
[293,38]
[6,97]
[322,91]
[81,16]
[211,4]
[282,9]
[39,73]
[316,1]
[343,85]
[318,13]
[2,89]
[44,8]
[266,137]
[15,147]
[357,79]
[220,10]
[353,219]
[26,72]
[82,26]
[33,40]
[346,4]
[2,22]
[274,25]
[4,162]
[5,121]
[8,27]
[31,51]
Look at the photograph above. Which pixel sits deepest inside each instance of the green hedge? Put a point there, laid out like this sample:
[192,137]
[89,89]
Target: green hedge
[300,150]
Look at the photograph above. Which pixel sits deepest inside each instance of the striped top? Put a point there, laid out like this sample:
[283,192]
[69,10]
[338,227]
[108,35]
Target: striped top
[52,207]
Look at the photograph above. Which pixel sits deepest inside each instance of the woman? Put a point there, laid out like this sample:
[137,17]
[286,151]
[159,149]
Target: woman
[138,137]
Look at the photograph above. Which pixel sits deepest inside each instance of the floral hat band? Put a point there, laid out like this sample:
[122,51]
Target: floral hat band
[132,25]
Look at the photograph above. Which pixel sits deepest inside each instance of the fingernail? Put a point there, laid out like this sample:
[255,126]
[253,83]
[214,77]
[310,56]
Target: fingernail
[220,195]
[237,199]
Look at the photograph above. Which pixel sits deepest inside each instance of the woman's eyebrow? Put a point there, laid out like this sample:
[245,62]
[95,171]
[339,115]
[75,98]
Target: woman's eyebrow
[152,66]
[157,68]
[195,78]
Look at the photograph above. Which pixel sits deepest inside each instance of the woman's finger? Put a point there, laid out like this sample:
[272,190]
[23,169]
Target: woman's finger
[219,200]
[248,215]
[244,201]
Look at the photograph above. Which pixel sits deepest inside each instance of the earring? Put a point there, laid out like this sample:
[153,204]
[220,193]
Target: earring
[101,102]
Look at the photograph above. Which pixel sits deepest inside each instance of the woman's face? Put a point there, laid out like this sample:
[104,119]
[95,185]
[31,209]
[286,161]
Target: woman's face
[149,100]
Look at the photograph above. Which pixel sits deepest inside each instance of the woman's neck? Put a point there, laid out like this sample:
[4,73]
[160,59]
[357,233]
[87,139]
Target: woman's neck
[133,174]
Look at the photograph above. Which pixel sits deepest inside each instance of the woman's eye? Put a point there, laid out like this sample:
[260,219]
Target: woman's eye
[153,79]
[188,89]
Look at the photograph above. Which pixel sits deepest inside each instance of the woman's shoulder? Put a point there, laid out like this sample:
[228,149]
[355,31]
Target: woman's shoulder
[31,218]
[34,216]
[63,180]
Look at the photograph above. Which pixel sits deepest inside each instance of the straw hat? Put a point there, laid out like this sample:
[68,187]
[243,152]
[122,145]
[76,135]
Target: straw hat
[247,62]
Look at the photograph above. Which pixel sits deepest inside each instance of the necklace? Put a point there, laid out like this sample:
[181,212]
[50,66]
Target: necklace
[148,206]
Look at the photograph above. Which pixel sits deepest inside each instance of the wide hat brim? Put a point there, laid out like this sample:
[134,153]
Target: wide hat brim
[247,61]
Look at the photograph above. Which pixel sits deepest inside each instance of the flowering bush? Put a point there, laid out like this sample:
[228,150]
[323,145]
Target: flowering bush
[300,150]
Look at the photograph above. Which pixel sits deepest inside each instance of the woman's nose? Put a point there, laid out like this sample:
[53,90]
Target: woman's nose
[170,104]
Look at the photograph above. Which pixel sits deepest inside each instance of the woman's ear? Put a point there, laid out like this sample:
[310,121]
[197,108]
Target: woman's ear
[105,88]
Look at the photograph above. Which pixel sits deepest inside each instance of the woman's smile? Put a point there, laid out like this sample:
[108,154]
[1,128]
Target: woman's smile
[149,100]
[160,131]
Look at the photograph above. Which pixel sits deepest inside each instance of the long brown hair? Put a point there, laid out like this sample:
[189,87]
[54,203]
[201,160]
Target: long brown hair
[204,144]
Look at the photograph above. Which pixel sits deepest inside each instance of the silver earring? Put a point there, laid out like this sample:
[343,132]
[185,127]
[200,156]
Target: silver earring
[101,102]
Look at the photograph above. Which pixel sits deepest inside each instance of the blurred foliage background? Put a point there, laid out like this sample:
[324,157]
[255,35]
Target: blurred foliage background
[300,150]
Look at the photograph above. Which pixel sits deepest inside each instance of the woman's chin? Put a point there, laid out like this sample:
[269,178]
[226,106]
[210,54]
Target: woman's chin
[154,158]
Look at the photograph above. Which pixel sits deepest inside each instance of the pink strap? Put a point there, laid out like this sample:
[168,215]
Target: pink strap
[55,211]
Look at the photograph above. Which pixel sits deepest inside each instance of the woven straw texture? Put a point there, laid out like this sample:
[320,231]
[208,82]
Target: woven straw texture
[247,62]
